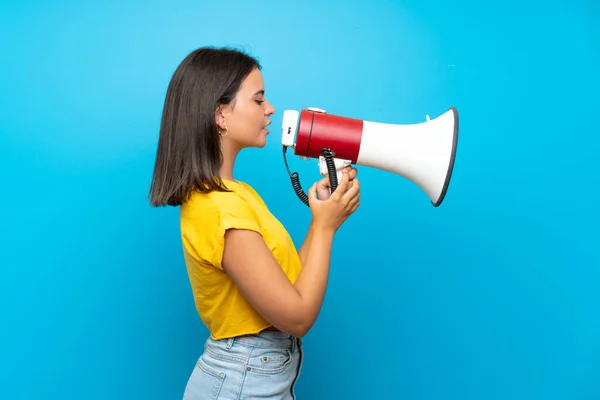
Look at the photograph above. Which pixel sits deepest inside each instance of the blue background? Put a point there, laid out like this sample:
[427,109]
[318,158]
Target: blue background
[494,295]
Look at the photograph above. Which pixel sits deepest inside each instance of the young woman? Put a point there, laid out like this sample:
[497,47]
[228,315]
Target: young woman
[255,292]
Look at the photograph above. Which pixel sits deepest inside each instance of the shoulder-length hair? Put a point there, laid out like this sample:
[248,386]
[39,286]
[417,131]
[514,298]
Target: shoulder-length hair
[189,155]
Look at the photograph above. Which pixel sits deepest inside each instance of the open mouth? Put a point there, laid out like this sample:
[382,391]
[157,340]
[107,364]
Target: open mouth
[265,127]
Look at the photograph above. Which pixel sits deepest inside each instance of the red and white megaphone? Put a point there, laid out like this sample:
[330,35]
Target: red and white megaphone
[422,153]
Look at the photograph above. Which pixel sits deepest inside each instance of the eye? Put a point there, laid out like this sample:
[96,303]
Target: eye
[259,102]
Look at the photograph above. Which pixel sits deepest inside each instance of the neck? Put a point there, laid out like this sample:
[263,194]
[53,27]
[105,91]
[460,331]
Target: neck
[229,156]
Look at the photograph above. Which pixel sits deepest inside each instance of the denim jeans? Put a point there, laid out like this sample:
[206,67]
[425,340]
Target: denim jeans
[261,366]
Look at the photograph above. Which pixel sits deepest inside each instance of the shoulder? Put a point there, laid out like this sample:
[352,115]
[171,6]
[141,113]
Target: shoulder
[216,204]
[206,217]
[253,193]
[221,210]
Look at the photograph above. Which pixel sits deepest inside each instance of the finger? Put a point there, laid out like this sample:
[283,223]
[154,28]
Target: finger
[353,172]
[351,201]
[323,182]
[354,200]
[355,207]
[342,186]
[312,193]
[353,191]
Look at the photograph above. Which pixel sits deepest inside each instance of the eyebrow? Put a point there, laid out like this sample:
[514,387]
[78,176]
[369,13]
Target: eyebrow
[260,92]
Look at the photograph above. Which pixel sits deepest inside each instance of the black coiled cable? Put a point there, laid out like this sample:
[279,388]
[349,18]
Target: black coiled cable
[298,188]
[331,170]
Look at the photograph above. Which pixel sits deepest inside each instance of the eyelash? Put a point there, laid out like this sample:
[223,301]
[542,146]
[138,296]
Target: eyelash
[259,102]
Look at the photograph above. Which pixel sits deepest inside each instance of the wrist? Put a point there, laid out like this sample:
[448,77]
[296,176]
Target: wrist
[321,230]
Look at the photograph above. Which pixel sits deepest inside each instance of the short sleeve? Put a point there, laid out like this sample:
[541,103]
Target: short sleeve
[234,213]
[206,218]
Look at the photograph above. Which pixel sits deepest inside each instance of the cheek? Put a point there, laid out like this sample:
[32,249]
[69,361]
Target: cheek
[247,122]
[238,122]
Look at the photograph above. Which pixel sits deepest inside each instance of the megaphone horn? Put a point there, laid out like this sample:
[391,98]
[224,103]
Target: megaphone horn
[423,153]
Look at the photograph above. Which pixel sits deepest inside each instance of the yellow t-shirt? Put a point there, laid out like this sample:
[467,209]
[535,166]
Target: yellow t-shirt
[204,218]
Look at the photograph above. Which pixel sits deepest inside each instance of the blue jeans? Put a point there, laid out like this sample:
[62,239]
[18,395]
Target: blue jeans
[261,366]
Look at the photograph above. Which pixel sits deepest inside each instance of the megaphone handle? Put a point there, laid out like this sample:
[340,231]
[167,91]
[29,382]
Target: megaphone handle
[332,167]
[329,166]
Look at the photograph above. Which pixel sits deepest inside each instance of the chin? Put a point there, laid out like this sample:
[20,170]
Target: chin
[261,142]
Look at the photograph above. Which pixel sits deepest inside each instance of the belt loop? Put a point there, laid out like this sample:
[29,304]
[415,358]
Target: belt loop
[229,343]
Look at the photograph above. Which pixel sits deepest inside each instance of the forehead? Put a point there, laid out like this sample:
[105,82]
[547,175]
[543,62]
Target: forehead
[253,83]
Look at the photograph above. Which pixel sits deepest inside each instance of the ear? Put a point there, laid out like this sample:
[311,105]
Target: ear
[221,116]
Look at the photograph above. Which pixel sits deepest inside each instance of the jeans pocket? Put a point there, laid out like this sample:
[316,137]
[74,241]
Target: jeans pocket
[205,383]
[269,360]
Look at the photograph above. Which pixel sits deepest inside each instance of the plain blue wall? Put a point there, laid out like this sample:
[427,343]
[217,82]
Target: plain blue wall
[494,295]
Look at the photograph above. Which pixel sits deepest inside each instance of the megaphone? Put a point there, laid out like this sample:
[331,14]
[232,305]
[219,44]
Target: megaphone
[423,153]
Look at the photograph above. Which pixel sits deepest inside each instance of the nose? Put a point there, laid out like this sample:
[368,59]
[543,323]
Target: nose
[269,110]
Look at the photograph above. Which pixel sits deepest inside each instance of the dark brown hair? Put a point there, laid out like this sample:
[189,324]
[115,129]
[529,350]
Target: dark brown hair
[189,154]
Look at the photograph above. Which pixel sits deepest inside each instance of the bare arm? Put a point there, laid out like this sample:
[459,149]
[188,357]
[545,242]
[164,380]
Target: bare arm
[323,192]
[290,308]
[304,248]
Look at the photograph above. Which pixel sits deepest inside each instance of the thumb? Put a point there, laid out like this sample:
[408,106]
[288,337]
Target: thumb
[323,183]
[343,184]
[312,193]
